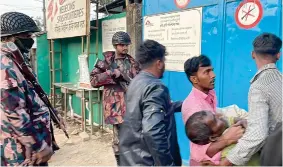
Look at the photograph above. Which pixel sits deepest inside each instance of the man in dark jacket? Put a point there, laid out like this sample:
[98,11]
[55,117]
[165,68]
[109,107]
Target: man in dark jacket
[148,134]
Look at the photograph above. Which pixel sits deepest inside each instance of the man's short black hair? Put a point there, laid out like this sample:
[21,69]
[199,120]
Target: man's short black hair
[192,65]
[148,52]
[267,44]
[196,130]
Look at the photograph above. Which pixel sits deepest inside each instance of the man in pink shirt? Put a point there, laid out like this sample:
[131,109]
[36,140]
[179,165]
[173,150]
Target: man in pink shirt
[202,97]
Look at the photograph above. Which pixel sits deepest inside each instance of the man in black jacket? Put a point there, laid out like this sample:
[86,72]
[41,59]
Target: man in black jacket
[148,134]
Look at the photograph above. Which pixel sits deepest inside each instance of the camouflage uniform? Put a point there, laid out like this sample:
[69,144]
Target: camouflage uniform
[25,119]
[113,94]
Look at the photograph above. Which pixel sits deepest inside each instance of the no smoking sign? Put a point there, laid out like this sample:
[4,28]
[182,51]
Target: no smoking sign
[249,13]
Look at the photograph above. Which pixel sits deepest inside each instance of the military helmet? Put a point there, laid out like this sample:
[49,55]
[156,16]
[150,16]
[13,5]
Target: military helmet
[121,37]
[15,23]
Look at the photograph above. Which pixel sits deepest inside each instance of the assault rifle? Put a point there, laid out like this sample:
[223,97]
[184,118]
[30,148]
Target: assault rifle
[12,50]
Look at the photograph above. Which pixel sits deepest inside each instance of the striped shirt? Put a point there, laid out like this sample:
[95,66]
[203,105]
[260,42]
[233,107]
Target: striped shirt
[265,112]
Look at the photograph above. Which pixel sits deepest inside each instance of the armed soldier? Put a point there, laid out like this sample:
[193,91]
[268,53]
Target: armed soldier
[26,131]
[115,73]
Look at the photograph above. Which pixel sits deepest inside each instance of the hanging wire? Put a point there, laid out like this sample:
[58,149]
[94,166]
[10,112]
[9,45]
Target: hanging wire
[104,3]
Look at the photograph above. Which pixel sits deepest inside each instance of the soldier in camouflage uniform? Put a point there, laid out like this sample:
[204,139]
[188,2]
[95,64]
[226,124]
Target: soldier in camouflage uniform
[121,66]
[25,119]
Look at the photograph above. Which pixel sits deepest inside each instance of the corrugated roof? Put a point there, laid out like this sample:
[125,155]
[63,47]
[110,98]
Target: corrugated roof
[116,6]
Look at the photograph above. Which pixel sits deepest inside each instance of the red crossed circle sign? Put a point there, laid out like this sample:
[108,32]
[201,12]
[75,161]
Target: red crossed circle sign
[249,13]
[181,3]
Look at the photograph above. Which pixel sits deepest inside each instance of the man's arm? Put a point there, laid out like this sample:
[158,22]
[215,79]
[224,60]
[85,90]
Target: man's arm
[99,78]
[176,106]
[216,147]
[232,135]
[153,125]
[256,132]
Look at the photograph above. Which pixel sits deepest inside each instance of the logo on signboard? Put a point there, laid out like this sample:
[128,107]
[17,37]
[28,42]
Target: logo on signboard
[148,23]
[249,13]
[51,11]
[61,2]
[181,3]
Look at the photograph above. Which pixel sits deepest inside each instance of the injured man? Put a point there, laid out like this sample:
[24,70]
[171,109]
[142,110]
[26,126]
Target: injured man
[204,127]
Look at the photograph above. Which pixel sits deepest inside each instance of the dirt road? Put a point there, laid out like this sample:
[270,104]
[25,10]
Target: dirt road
[74,152]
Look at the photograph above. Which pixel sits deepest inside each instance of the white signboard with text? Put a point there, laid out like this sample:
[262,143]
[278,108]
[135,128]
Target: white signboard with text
[67,18]
[109,28]
[180,32]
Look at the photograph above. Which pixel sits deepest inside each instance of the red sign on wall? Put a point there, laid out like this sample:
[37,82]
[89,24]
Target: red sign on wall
[181,3]
[249,13]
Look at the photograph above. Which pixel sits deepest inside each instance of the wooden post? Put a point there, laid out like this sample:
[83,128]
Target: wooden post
[134,26]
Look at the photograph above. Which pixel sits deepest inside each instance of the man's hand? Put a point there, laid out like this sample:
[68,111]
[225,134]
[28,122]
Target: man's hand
[225,162]
[241,122]
[44,155]
[115,73]
[207,163]
[126,77]
[232,135]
